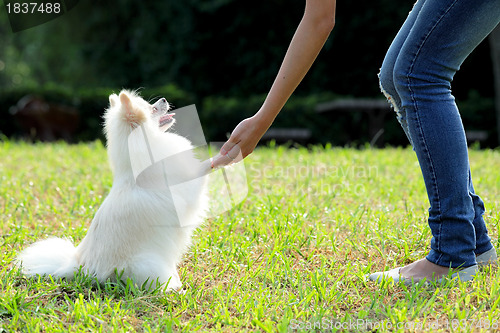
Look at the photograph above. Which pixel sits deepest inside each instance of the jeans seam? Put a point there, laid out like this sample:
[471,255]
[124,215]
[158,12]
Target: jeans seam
[422,140]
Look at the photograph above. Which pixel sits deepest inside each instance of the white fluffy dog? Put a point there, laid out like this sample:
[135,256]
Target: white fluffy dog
[139,232]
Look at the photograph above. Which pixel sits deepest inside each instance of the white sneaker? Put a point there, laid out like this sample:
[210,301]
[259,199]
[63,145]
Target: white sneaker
[464,274]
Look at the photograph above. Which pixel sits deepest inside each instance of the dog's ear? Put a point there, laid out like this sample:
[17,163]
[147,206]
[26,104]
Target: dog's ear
[125,100]
[113,100]
[132,114]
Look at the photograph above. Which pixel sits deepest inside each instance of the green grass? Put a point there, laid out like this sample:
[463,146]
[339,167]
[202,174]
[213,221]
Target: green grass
[293,256]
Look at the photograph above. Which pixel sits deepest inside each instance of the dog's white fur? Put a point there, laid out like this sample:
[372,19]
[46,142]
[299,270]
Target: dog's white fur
[134,231]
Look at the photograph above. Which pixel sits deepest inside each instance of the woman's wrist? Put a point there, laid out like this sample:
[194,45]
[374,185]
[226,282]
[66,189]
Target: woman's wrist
[264,118]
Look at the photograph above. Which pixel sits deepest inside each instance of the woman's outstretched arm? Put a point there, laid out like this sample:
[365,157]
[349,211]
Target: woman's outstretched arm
[310,36]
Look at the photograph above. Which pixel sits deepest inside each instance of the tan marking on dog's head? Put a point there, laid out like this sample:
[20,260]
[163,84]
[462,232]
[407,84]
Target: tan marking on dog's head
[132,114]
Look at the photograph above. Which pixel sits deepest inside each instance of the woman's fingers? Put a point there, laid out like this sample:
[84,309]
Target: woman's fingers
[231,154]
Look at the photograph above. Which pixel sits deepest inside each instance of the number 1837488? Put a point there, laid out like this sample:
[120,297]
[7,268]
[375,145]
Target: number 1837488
[33,7]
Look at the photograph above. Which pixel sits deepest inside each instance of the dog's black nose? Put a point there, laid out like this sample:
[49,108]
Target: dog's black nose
[163,100]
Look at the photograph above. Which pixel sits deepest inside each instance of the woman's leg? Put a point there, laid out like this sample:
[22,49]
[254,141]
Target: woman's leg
[386,75]
[424,58]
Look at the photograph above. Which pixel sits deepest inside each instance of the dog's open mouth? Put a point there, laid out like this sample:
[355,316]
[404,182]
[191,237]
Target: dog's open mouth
[166,119]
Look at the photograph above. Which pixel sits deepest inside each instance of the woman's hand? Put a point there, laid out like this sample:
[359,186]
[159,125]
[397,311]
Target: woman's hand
[242,141]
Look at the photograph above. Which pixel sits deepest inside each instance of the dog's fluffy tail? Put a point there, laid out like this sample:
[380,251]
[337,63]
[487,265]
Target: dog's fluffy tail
[53,256]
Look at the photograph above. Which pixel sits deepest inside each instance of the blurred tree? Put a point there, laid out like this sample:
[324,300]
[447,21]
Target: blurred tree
[212,46]
[207,47]
[234,47]
[229,48]
[43,54]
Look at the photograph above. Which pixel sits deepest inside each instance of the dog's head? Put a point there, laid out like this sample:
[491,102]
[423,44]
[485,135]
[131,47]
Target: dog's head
[131,111]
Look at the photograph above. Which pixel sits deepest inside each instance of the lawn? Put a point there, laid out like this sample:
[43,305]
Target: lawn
[292,257]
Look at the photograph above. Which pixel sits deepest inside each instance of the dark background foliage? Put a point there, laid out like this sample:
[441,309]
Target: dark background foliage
[221,55]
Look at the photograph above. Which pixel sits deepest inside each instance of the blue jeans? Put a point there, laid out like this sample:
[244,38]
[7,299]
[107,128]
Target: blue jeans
[416,76]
